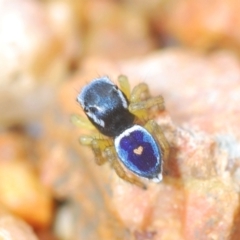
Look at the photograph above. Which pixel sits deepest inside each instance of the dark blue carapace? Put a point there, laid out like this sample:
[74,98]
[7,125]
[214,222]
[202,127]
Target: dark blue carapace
[106,107]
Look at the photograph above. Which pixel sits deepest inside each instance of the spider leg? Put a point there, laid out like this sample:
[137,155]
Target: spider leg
[98,146]
[139,93]
[124,85]
[157,133]
[82,122]
[141,101]
[112,158]
[140,109]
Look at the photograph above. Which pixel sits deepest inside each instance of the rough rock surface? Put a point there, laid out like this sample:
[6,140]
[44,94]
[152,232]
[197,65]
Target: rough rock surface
[199,195]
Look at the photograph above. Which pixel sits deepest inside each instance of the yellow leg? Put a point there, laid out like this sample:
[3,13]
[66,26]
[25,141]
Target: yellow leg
[139,93]
[141,101]
[124,85]
[140,109]
[82,122]
[156,131]
[98,146]
[112,157]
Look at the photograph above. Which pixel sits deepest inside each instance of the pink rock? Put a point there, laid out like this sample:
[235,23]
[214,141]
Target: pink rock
[198,197]
[14,228]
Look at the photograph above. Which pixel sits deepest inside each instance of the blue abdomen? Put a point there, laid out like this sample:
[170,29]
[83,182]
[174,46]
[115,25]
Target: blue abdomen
[139,152]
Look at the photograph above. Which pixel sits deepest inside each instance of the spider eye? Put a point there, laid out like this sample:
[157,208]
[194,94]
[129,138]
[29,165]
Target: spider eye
[90,109]
[114,90]
[86,109]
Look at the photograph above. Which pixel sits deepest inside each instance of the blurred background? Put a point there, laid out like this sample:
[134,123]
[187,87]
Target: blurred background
[50,187]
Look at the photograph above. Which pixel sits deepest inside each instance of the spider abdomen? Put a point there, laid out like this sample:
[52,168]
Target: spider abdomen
[139,152]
